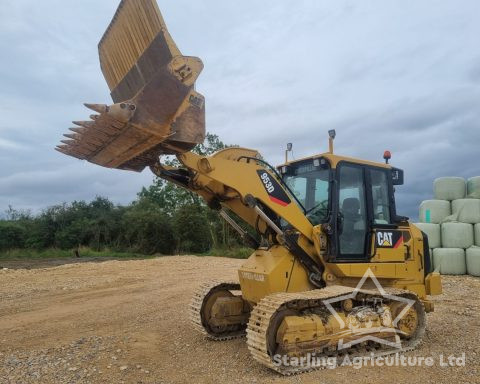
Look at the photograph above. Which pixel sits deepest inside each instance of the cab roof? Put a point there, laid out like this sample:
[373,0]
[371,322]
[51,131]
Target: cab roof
[335,159]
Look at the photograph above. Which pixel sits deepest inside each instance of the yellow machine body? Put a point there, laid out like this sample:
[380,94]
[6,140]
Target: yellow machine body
[306,250]
[225,177]
[402,267]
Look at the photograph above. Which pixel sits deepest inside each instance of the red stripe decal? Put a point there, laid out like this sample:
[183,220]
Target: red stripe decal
[400,241]
[282,203]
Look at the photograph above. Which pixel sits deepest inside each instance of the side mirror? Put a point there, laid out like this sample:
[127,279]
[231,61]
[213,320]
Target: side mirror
[397,176]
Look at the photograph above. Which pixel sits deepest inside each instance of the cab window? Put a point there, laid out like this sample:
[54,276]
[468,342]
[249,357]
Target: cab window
[310,185]
[380,196]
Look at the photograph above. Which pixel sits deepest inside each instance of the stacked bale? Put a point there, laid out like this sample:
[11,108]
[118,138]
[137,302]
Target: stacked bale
[457,235]
[449,261]
[434,211]
[452,224]
[466,210]
[477,234]
[433,233]
[449,188]
[473,261]
[473,187]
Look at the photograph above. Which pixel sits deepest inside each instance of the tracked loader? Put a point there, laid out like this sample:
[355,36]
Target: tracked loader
[334,272]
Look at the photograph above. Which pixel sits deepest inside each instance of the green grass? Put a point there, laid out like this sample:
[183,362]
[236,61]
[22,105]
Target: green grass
[54,253]
[234,253]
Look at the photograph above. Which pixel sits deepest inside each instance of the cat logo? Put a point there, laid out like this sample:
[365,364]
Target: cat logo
[384,239]
[389,239]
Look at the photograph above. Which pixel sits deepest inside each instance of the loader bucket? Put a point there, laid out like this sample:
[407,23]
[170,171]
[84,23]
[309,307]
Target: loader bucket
[156,109]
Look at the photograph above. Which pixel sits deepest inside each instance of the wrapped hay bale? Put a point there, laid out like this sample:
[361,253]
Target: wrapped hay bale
[433,233]
[436,259]
[434,211]
[457,235]
[473,261]
[449,261]
[477,235]
[466,210]
[473,187]
[449,188]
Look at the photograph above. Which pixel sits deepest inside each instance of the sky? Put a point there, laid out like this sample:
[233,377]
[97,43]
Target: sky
[401,75]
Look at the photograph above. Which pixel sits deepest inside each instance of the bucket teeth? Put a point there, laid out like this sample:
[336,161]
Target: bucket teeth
[86,124]
[68,150]
[100,108]
[72,136]
[78,129]
[84,132]
[61,150]
[64,148]
[70,153]
[69,142]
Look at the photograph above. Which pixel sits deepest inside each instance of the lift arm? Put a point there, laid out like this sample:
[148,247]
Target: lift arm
[234,179]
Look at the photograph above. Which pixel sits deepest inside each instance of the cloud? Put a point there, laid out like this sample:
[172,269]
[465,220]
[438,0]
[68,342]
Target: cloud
[7,144]
[386,75]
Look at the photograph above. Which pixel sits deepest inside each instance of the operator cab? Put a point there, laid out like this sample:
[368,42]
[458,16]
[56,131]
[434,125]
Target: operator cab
[351,197]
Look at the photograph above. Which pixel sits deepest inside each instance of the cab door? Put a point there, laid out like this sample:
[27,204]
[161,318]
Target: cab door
[353,219]
[365,227]
[388,242]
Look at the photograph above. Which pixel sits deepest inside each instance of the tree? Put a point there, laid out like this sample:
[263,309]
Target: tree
[192,229]
[167,195]
[147,229]
[196,227]
[12,235]
[211,145]
[17,215]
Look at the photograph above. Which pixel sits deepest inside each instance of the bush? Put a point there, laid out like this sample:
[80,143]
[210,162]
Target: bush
[12,235]
[165,218]
[192,229]
[148,230]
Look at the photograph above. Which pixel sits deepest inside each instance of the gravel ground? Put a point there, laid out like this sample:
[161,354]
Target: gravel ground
[127,322]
